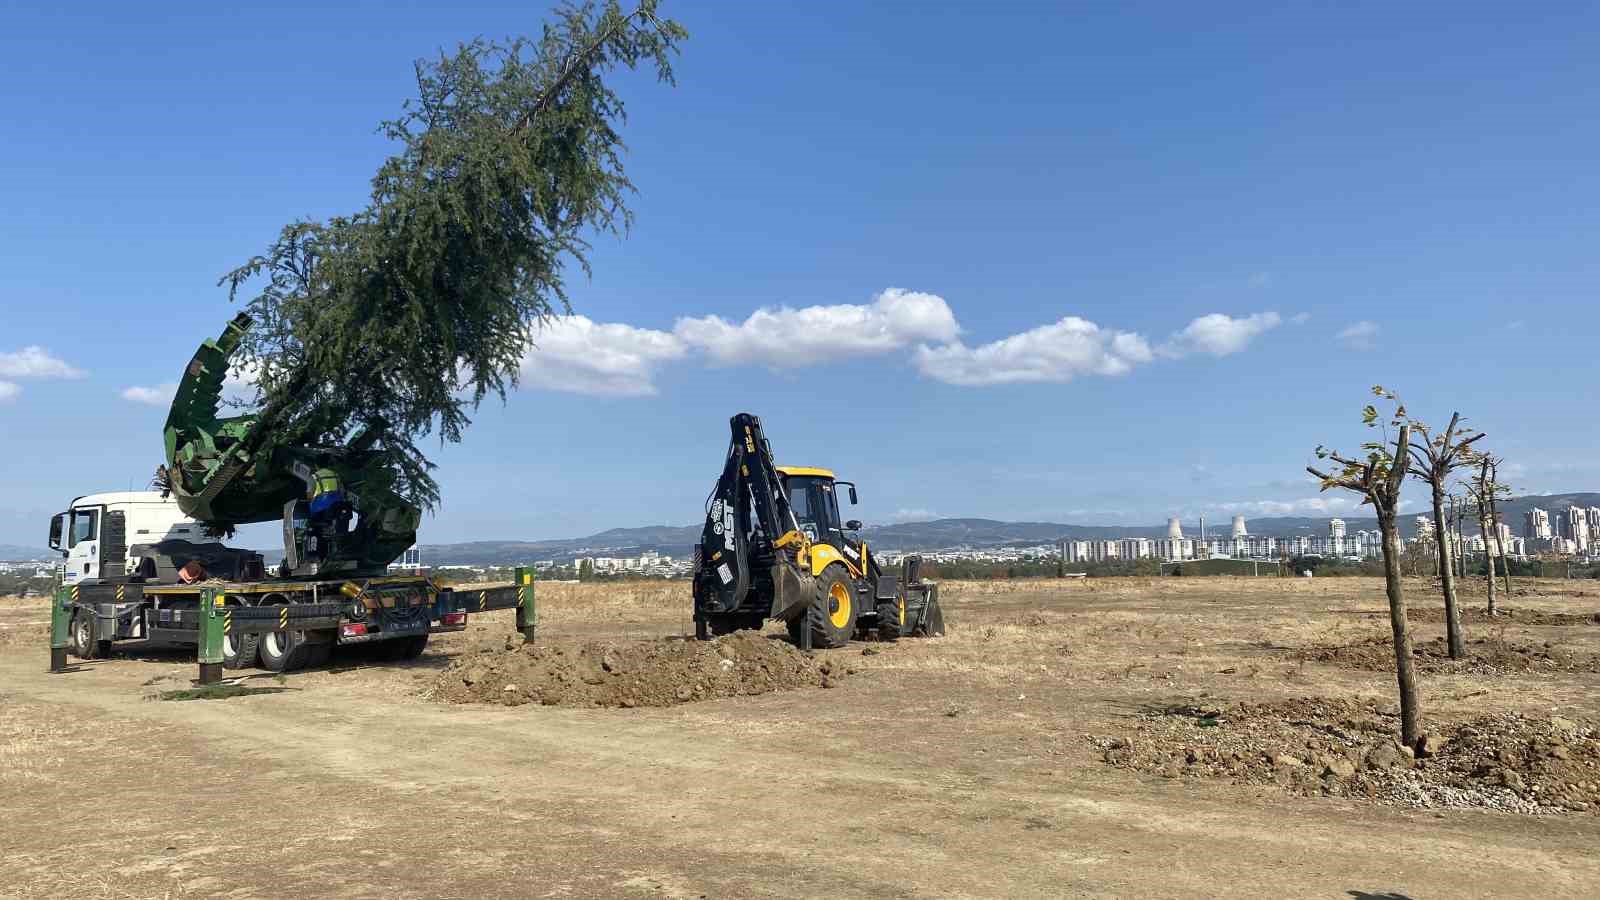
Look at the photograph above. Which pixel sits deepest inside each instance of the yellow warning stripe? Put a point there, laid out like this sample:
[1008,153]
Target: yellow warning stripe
[121,591]
[283,618]
[227,621]
[483,600]
[74,593]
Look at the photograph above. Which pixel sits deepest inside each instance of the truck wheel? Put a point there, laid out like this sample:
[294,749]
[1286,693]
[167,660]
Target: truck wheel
[84,646]
[832,614]
[412,647]
[283,651]
[891,620]
[239,651]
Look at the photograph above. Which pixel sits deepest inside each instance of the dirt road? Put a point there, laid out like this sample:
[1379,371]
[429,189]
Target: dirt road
[955,767]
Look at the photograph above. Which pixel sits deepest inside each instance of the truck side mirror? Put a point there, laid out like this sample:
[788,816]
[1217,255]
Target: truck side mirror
[853,525]
[58,529]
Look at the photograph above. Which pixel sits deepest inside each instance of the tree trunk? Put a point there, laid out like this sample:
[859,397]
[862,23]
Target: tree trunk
[1489,542]
[1494,513]
[1447,577]
[1404,663]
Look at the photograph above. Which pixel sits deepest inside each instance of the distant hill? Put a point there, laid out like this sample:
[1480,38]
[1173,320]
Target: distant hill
[678,541]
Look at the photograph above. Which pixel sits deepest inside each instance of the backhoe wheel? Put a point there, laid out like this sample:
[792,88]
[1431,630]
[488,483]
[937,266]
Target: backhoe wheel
[84,646]
[832,614]
[891,620]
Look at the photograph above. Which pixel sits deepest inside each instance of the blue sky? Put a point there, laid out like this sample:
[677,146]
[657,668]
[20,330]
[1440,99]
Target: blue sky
[1098,264]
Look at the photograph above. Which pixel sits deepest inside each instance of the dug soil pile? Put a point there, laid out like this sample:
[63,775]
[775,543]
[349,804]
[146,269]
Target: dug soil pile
[1477,615]
[1344,748]
[634,673]
[1485,656]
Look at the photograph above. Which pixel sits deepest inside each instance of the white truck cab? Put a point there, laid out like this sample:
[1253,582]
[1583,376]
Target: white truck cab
[97,530]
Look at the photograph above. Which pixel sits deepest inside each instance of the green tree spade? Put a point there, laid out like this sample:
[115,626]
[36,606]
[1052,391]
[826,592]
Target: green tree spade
[1377,477]
[402,317]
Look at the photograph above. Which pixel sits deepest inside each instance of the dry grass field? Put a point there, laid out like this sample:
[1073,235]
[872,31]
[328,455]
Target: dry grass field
[1115,737]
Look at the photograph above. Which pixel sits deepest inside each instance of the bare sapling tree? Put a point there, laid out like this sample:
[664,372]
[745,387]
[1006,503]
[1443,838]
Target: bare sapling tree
[1486,490]
[1480,488]
[1433,459]
[1494,514]
[1377,477]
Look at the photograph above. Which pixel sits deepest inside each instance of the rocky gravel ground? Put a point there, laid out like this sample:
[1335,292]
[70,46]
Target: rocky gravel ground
[1347,748]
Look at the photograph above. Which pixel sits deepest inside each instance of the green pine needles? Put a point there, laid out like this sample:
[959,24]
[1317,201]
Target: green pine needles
[403,317]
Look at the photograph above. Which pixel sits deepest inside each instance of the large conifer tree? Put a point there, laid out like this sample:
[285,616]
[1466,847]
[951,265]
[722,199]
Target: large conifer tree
[404,316]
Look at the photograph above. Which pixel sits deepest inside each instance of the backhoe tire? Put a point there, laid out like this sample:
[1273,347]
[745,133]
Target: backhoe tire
[283,651]
[832,614]
[891,620]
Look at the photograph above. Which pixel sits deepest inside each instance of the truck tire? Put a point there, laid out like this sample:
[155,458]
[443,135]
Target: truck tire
[283,651]
[832,614]
[84,646]
[891,620]
[412,647]
[239,651]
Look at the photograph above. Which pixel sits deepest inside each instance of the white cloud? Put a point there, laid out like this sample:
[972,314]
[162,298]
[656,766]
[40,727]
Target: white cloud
[160,395]
[1049,353]
[1219,334]
[35,362]
[786,336]
[9,390]
[578,355]
[1300,318]
[1304,506]
[911,515]
[1363,335]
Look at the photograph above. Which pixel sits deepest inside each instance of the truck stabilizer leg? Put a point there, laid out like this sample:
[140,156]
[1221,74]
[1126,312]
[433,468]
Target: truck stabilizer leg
[526,611]
[60,619]
[213,620]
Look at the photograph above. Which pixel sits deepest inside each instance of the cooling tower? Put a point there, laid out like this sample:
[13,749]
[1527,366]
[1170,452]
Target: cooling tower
[1238,527]
[1174,530]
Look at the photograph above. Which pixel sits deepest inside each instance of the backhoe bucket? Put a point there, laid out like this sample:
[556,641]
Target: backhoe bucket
[792,591]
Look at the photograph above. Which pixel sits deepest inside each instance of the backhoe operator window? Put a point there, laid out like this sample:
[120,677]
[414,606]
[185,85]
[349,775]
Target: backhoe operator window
[814,506]
[85,525]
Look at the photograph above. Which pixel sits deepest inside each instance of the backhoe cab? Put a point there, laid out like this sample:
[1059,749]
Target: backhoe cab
[775,547]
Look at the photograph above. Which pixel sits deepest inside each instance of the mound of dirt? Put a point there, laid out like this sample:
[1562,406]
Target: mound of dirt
[1485,656]
[1477,615]
[1315,746]
[634,673]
